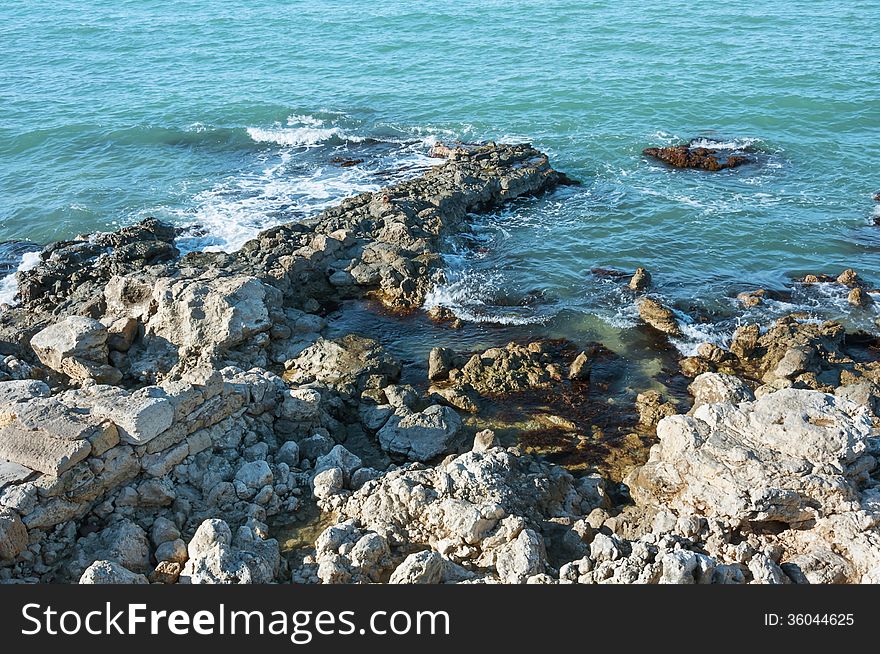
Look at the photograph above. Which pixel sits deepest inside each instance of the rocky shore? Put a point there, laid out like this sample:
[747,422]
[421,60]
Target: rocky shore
[183,419]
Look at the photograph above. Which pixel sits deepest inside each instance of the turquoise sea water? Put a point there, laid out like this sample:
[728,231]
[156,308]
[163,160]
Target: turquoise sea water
[227,115]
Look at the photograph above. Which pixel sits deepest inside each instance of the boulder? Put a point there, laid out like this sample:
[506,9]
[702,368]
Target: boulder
[789,457]
[110,572]
[216,558]
[209,316]
[421,436]
[659,317]
[641,280]
[77,347]
[715,388]
[352,361]
[439,363]
[424,567]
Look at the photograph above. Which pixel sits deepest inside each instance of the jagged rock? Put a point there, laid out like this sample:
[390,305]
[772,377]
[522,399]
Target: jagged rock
[652,409]
[684,156]
[289,454]
[124,543]
[425,567]
[859,298]
[439,363]
[659,317]
[789,457]
[254,475]
[521,558]
[110,572]
[215,558]
[166,572]
[795,361]
[421,436]
[501,370]
[466,508]
[341,458]
[350,361]
[641,280]
[346,554]
[13,535]
[172,550]
[580,367]
[485,440]
[211,315]
[77,347]
[716,388]
[849,277]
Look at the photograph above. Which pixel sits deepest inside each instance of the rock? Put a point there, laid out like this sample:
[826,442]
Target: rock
[209,316]
[424,567]
[350,361]
[485,440]
[684,156]
[745,340]
[121,334]
[859,298]
[110,572]
[849,277]
[39,450]
[509,369]
[641,280]
[686,567]
[659,317]
[124,543]
[347,553]
[289,454]
[341,458]
[521,558]
[301,404]
[166,572]
[421,436]
[716,388]
[652,409]
[139,416]
[465,509]
[13,535]
[254,475]
[15,391]
[173,550]
[786,458]
[327,483]
[214,558]
[795,361]
[315,446]
[439,363]
[580,368]
[77,347]
[163,531]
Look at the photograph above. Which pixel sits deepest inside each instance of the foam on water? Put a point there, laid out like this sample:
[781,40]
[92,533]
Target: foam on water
[298,178]
[9,284]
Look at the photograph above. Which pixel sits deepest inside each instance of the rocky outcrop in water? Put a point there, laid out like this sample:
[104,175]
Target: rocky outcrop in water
[685,156]
[168,419]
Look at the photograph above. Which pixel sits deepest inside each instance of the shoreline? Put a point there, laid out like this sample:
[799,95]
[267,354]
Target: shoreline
[163,414]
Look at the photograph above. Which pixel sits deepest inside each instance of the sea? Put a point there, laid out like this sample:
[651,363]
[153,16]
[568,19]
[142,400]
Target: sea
[226,118]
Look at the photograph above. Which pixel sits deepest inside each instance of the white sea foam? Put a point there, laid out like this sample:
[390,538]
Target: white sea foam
[732,144]
[468,294]
[298,136]
[9,284]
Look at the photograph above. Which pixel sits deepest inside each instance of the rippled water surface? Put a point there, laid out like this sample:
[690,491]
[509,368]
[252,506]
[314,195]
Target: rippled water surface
[227,116]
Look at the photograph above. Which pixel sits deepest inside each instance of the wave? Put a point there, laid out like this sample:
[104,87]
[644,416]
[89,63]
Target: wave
[473,296]
[9,283]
